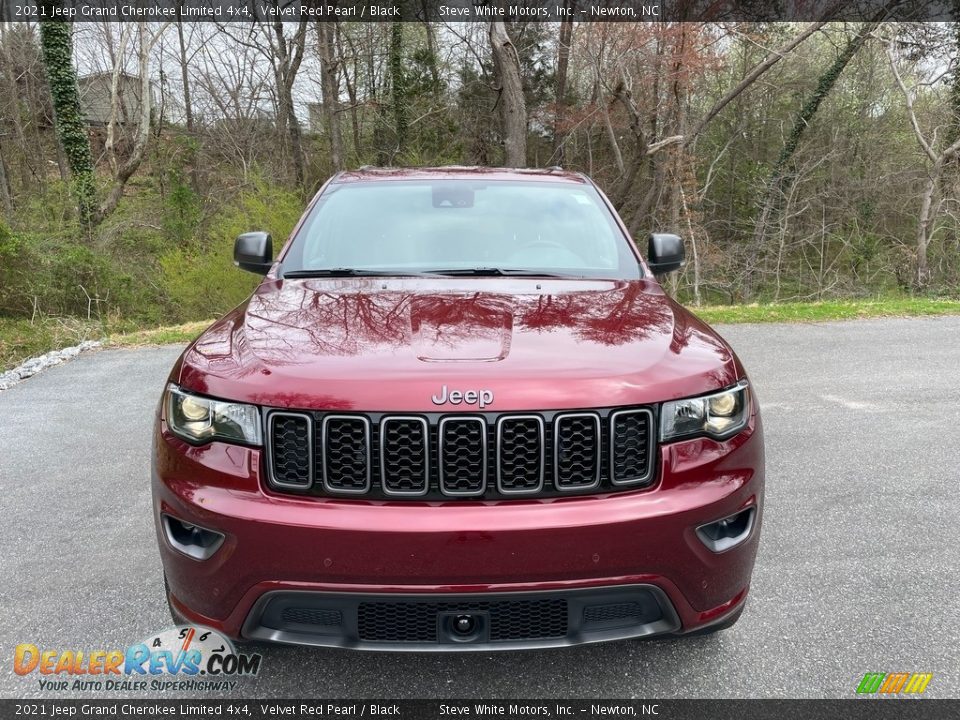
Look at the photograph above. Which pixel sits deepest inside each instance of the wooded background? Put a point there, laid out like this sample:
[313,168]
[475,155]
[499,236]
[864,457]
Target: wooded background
[799,161]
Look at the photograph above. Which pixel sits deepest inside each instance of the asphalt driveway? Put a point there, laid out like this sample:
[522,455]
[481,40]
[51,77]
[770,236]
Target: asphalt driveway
[858,570]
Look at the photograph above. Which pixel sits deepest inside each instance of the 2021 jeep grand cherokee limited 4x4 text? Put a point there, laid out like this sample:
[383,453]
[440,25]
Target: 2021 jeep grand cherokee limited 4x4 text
[459,412]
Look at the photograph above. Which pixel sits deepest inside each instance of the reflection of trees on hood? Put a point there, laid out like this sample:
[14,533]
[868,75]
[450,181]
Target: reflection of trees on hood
[611,318]
[328,322]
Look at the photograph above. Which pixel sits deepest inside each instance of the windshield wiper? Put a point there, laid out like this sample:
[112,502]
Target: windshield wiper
[345,272]
[495,272]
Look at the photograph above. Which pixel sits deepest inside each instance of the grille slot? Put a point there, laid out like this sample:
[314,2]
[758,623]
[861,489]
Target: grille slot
[520,454]
[631,440]
[614,612]
[291,450]
[346,453]
[576,451]
[404,455]
[462,456]
[312,616]
[510,620]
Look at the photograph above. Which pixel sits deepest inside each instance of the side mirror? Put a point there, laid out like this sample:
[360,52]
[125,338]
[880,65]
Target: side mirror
[664,253]
[253,251]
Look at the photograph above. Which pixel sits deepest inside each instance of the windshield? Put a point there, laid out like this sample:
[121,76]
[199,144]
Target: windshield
[474,227]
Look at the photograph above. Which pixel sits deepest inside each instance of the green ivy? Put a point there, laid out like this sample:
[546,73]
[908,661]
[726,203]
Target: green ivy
[71,127]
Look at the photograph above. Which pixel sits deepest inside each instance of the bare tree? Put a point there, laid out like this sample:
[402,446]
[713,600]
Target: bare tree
[286,58]
[330,84]
[560,91]
[513,111]
[184,77]
[122,172]
[646,146]
[936,160]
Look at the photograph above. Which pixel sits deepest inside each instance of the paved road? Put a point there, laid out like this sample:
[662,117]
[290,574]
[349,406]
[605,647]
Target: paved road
[859,566]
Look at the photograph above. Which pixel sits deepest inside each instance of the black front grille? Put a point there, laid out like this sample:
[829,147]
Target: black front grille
[346,453]
[510,620]
[520,460]
[291,457]
[435,456]
[463,456]
[404,458]
[631,441]
[577,451]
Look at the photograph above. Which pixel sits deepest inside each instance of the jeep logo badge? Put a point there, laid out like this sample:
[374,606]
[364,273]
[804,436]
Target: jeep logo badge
[480,398]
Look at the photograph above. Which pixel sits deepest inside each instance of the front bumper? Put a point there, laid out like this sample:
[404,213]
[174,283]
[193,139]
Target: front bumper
[630,543]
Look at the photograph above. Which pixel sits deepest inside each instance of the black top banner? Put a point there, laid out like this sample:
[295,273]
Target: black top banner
[488,709]
[475,10]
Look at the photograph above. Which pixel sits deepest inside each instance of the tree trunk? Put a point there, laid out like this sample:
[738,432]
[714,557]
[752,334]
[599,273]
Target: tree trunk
[330,88]
[513,111]
[922,274]
[184,78]
[560,90]
[286,66]
[351,86]
[5,192]
[432,49]
[14,95]
[398,85]
[141,136]
[71,128]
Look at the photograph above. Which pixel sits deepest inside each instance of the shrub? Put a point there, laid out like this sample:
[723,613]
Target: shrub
[200,280]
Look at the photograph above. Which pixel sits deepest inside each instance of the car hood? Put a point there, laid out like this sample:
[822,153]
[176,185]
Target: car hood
[394,344]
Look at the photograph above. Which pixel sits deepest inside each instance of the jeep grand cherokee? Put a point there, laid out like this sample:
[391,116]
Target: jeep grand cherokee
[459,412]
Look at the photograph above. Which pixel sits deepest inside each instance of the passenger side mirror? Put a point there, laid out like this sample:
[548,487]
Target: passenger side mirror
[253,251]
[664,253]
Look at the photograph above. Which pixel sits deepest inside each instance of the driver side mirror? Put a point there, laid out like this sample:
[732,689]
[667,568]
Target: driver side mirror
[253,251]
[664,253]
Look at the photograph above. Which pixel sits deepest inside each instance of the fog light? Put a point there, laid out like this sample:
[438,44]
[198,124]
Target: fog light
[728,532]
[191,540]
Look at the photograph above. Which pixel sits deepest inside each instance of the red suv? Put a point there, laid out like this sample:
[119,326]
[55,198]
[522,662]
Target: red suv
[459,412]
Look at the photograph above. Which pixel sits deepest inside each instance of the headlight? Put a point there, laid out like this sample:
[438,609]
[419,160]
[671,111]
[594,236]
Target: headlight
[719,416]
[198,419]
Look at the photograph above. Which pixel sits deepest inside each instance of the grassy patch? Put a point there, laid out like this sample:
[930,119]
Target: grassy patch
[173,334]
[23,339]
[828,310]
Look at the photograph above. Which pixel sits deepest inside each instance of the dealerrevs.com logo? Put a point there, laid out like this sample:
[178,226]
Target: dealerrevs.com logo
[184,658]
